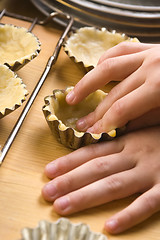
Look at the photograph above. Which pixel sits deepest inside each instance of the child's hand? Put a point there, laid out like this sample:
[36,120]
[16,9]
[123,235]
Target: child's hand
[138,65]
[103,172]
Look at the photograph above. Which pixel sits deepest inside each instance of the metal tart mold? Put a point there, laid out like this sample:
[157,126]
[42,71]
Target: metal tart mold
[62,118]
[61,229]
[18,46]
[86,45]
[12,91]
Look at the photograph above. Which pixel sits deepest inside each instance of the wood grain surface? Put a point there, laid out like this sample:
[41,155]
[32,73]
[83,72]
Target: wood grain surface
[21,174]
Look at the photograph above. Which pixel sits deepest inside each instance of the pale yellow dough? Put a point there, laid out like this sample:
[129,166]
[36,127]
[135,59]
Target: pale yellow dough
[16,44]
[88,44]
[68,115]
[12,90]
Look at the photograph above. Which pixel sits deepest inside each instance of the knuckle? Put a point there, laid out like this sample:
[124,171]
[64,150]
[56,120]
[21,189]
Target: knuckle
[61,164]
[118,109]
[94,149]
[114,184]
[108,65]
[91,118]
[151,204]
[81,198]
[102,165]
[63,183]
[97,150]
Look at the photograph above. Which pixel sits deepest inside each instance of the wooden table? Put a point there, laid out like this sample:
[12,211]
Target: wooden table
[21,174]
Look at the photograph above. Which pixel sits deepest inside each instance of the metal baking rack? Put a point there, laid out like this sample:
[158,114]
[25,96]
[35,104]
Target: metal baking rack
[51,61]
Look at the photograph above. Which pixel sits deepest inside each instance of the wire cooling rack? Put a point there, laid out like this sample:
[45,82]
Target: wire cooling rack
[51,61]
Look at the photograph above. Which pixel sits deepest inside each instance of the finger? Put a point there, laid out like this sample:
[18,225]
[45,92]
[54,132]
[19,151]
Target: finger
[113,69]
[142,208]
[89,120]
[105,190]
[80,177]
[123,88]
[129,107]
[125,48]
[67,163]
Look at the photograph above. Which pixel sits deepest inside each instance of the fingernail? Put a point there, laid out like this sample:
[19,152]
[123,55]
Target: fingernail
[70,97]
[111,225]
[50,190]
[63,203]
[51,170]
[81,125]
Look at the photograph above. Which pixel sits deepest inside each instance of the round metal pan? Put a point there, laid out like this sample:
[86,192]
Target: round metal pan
[144,25]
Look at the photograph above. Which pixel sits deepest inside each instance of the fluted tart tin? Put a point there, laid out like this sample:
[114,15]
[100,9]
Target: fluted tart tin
[86,45]
[62,229]
[62,118]
[12,91]
[18,46]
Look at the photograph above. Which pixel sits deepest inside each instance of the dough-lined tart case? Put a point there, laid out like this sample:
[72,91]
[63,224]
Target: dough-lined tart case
[12,91]
[18,46]
[62,118]
[87,44]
